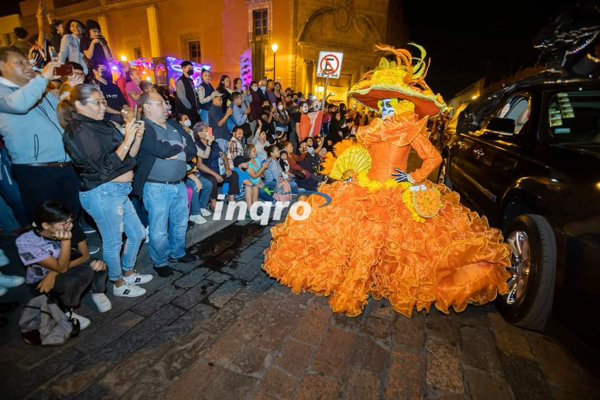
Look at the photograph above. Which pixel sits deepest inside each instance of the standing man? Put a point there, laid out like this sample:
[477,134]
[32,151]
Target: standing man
[186,94]
[103,79]
[270,94]
[218,120]
[33,136]
[160,176]
[205,95]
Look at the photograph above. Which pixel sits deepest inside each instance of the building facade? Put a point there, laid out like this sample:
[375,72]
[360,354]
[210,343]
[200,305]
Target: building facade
[236,36]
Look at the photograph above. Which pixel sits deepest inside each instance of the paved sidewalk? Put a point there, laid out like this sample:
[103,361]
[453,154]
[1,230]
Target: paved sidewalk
[221,329]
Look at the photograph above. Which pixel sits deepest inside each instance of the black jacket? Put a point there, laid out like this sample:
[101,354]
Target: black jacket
[92,145]
[152,148]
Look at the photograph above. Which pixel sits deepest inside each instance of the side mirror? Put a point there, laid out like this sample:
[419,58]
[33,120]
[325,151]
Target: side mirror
[501,127]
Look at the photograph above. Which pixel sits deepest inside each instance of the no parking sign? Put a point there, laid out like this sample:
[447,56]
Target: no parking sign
[330,64]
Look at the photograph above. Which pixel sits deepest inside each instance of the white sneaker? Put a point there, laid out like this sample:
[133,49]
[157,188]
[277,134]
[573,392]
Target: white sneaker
[128,290]
[10,281]
[137,279]
[3,259]
[205,212]
[198,219]
[147,234]
[102,302]
[3,291]
[83,321]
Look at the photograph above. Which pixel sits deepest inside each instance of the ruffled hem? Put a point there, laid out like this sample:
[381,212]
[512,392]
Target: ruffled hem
[366,243]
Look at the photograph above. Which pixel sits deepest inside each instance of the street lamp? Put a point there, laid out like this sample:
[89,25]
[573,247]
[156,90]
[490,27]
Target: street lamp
[274,47]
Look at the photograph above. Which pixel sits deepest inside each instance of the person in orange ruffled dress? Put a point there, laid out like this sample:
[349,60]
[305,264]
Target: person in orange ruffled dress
[388,233]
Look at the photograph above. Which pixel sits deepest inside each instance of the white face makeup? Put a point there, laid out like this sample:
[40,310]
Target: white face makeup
[386,108]
[305,108]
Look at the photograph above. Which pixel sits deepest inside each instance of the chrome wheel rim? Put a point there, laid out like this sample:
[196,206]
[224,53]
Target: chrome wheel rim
[442,177]
[520,267]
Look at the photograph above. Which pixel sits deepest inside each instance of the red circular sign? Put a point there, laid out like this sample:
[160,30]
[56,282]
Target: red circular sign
[329,64]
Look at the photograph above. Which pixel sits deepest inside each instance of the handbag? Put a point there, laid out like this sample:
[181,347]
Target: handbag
[282,191]
[44,323]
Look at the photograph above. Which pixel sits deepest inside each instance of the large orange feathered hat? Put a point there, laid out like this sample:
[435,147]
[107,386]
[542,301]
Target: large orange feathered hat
[402,79]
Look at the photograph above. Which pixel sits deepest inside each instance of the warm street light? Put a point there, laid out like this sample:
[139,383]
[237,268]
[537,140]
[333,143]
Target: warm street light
[123,58]
[274,47]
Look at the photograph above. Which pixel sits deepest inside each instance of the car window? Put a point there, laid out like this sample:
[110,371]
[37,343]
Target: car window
[574,117]
[516,108]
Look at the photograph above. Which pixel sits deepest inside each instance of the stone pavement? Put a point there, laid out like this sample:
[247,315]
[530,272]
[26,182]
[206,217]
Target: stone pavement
[222,329]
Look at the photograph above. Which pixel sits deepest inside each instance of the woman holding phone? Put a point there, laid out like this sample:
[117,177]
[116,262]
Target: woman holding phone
[104,153]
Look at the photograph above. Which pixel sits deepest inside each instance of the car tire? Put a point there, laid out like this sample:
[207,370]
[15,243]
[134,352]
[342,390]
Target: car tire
[442,177]
[532,302]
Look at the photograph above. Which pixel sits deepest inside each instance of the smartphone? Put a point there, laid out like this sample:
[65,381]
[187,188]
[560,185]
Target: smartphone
[138,113]
[210,131]
[63,70]
[264,161]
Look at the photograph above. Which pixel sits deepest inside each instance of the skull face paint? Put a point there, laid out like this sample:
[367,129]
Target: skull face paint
[386,108]
[304,108]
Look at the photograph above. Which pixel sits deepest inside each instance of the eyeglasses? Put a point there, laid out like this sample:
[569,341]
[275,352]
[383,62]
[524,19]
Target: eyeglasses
[65,223]
[98,102]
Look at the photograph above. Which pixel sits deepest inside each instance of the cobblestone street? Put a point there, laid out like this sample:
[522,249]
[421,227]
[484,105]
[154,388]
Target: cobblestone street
[222,329]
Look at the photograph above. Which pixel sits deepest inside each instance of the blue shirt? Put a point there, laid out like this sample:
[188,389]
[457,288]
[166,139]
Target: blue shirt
[28,123]
[212,161]
[215,114]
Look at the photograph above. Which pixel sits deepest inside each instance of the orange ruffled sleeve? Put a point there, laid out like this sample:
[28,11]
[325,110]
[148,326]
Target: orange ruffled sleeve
[430,156]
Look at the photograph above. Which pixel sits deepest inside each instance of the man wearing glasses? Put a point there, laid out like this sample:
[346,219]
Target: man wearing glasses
[33,135]
[160,179]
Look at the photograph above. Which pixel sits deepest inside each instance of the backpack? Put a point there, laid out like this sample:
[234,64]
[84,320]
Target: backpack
[44,323]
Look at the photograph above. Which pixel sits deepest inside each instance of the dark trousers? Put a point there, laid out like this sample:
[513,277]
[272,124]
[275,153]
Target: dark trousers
[233,180]
[39,184]
[140,210]
[69,286]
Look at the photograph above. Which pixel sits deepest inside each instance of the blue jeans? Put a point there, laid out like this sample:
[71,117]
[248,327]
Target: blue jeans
[199,200]
[8,223]
[204,116]
[10,190]
[168,216]
[114,214]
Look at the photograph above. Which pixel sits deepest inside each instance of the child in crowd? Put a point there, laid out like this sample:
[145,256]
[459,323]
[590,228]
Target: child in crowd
[248,191]
[58,261]
[256,169]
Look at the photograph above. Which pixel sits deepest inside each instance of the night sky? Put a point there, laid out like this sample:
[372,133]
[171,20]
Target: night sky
[466,39]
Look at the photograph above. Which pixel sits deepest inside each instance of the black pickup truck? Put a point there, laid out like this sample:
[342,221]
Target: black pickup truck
[527,156]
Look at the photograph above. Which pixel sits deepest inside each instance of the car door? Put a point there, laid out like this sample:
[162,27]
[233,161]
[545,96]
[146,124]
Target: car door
[489,158]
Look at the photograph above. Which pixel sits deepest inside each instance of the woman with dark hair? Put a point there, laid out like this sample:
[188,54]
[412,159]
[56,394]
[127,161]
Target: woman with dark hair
[223,88]
[278,92]
[58,261]
[70,44]
[104,153]
[238,86]
[132,86]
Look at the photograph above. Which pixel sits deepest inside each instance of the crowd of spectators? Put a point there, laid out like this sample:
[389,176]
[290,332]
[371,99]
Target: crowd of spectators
[141,162]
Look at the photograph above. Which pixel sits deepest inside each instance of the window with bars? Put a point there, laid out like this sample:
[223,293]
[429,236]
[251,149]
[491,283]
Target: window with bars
[194,53]
[137,53]
[260,22]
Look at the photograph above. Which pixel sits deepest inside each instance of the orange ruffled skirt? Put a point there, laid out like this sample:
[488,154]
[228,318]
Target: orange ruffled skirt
[368,243]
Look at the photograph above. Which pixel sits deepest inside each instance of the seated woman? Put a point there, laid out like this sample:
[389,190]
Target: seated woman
[104,154]
[275,178]
[213,165]
[256,169]
[201,186]
[58,261]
